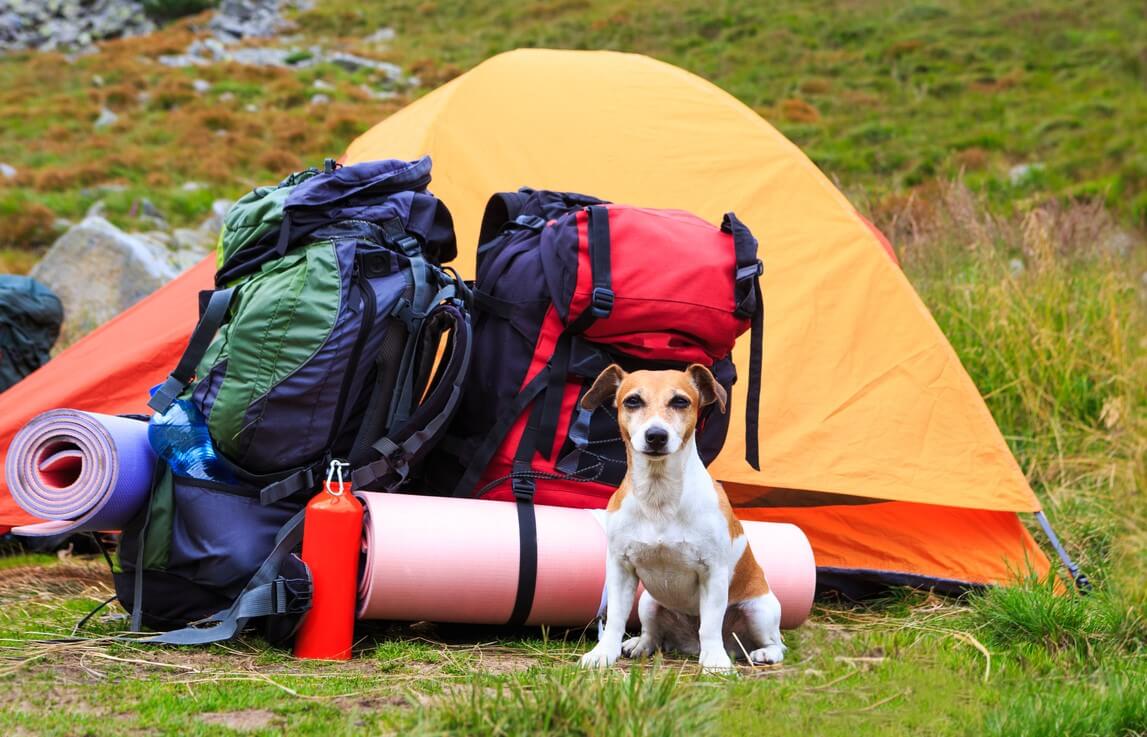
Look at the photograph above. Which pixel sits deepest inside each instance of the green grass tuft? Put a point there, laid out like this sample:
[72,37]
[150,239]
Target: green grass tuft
[567,701]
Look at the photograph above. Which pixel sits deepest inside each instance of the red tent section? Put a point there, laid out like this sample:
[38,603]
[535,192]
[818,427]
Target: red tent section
[109,370]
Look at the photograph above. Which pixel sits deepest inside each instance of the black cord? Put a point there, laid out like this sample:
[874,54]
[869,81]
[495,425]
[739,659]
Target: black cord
[89,615]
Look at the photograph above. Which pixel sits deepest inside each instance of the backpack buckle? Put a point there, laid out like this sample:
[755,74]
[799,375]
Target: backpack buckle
[522,482]
[531,222]
[752,271]
[601,302]
[291,595]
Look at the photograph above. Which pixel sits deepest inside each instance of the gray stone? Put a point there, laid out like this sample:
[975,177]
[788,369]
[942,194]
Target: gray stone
[1020,173]
[7,171]
[383,35]
[201,85]
[191,186]
[106,118]
[1119,243]
[353,62]
[98,271]
[97,209]
[319,84]
[378,94]
[68,24]
[320,99]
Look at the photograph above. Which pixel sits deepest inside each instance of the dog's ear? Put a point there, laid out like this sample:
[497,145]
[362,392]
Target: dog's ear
[604,387]
[711,390]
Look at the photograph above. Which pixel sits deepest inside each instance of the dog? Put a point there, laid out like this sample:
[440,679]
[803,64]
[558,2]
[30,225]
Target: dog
[670,525]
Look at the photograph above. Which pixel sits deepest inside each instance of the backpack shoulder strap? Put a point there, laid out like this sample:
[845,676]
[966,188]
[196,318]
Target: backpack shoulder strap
[406,445]
[212,318]
[502,208]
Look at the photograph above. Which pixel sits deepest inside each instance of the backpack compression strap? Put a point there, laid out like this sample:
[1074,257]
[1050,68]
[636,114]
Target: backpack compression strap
[210,321]
[750,304]
[266,594]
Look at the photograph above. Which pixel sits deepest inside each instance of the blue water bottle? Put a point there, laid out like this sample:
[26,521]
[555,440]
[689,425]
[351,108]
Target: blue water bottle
[179,436]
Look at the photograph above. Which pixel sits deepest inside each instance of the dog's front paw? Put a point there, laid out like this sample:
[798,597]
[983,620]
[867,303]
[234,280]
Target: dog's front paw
[638,647]
[716,661]
[768,655]
[599,657]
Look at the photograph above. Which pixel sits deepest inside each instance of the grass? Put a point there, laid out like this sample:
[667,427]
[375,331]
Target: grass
[920,111]
[888,98]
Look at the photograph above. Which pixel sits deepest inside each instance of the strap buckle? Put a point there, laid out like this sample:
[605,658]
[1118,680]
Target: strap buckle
[601,302]
[521,483]
[291,595]
[166,394]
[752,271]
[532,222]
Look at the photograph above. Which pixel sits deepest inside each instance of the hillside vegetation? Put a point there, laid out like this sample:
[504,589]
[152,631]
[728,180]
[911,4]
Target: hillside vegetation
[999,144]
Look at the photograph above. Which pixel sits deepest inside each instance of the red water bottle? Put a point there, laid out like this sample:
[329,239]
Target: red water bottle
[332,540]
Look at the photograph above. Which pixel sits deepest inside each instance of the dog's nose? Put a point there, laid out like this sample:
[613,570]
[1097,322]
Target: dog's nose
[656,438]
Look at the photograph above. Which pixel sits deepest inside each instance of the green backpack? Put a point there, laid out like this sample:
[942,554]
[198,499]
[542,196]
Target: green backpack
[318,344]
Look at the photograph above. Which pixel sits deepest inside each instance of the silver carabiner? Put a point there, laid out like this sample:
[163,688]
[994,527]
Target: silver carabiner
[335,471]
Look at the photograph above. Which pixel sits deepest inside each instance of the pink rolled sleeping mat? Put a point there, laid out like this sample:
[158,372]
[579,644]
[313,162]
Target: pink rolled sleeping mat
[81,470]
[456,560]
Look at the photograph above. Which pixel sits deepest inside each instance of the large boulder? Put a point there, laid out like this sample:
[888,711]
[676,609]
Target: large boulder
[97,270]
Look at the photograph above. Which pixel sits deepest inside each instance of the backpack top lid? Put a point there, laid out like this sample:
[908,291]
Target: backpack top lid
[268,221]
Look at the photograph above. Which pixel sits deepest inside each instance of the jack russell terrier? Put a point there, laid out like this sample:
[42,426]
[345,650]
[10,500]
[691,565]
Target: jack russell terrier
[671,526]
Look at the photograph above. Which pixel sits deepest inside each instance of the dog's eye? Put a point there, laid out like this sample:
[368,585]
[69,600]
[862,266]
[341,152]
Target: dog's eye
[633,401]
[679,402]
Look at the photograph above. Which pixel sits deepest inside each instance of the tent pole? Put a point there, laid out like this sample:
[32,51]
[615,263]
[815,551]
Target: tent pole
[1081,581]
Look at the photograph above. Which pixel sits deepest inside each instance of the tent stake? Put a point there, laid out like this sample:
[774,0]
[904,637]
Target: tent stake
[1081,581]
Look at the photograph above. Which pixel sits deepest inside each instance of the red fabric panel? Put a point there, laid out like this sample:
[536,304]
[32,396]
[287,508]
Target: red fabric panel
[664,313]
[111,369]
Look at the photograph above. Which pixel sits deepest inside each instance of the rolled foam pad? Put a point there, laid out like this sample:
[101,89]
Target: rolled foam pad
[83,471]
[456,560]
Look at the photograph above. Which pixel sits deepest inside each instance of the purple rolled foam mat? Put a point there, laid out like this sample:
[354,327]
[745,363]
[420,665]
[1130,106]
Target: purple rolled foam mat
[81,470]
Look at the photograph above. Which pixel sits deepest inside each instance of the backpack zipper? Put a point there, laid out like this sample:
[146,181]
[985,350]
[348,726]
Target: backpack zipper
[369,305]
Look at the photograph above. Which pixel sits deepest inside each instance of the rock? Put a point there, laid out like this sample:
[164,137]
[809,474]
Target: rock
[97,208]
[98,271]
[191,186]
[319,84]
[68,24]
[227,97]
[383,35]
[238,19]
[320,99]
[1119,243]
[353,62]
[1020,173]
[201,85]
[106,118]
[7,171]
[378,94]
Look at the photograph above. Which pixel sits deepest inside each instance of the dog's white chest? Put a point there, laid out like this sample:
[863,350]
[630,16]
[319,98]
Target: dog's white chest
[670,568]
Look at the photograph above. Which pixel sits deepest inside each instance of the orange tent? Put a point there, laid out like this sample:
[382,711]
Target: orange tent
[874,439]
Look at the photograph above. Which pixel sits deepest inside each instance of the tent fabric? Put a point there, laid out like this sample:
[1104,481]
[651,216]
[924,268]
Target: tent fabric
[863,394]
[864,399]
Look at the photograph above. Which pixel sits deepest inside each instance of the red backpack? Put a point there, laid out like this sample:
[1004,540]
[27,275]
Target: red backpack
[566,285]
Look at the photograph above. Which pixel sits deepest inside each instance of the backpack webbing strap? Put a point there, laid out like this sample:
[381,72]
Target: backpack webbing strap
[749,302]
[265,594]
[209,323]
[480,458]
[541,429]
[600,307]
[304,479]
[409,443]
